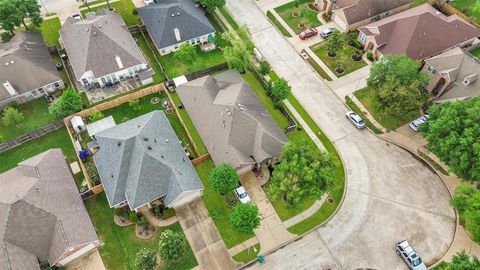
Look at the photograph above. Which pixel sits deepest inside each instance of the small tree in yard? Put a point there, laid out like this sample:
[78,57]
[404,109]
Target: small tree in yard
[244,218]
[146,259]
[69,103]
[264,68]
[223,178]
[11,116]
[211,5]
[279,90]
[304,172]
[172,246]
[96,116]
[461,261]
[466,201]
[334,43]
[185,54]
[237,56]
[134,104]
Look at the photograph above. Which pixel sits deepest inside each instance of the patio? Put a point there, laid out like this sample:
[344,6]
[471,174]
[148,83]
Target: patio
[98,94]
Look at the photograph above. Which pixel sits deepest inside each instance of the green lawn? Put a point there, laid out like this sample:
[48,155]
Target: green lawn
[417,3]
[215,203]
[158,77]
[277,24]
[49,29]
[228,17]
[91,3]
[123,7]
[476,52]
[55,139]
[247,254]
[121,244]
[304,16]
[35,115]
[472,8]
[368,99]
[344,55]
[318,68]
[124,111]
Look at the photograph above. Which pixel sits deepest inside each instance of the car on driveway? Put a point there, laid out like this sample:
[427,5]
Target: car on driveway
[327,32]
[409,255]
[242,194]
[308,33]
[355,119]
[415,124]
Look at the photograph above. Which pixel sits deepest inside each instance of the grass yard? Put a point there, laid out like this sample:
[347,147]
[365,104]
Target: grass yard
[309,18]
[277,24]
[343,55]
[49,29]
[158,77]
[123,7]
[121,244]
[470,8]
[55,139]
[124,112]
[476,52]
[91,3]
[35,115]
[218,209]
[228,17]
[247,254]
[368,99]
[356,109]
[417,3]
[318,68]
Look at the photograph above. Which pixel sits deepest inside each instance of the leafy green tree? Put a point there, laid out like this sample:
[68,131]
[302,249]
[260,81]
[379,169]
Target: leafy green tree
[69,103]
[9,16]
[237,56]
[134,104]
[185,54]
[11,116]
[264,68]
[334,42]
[304,172]
[453,134]
[279,89]
[466,200]
[146,259]
[172,246]
[28,9]
[211,5]
[399,86]
[6,36]
[461,261]
[96,116]
[223,178]
[244,218]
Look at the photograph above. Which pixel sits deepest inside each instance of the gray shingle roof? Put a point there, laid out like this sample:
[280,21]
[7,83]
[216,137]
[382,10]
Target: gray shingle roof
[187,18]
[94,42]
[41,213]
[30,56]
[359,10]
[234,125]
[142,160]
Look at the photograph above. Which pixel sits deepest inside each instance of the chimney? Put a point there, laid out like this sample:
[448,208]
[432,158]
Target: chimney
[177,34]
[119,62]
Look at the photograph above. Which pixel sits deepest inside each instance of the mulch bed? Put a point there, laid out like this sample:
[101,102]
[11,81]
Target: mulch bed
[121,221]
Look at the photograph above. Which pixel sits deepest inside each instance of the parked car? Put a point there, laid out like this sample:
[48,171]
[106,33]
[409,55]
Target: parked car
[242,194]
[355,119]
[409,255]
[327,32]
[77,16]
[148,2]
[308,33]
[415,124]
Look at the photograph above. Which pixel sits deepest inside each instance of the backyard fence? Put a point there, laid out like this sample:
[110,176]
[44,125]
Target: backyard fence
[207,71]
[201,159]
[448,10]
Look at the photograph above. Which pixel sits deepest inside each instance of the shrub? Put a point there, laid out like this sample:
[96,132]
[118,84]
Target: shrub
[134,104]
[132,216]
[96,116]
[117,211]
[264,68]
[6,36]
[135,11]
[172,246]
[370,56]
[216,214]
[142,221]
[11,116]
[327,16]
[244,218]
[69,103]
[146,259]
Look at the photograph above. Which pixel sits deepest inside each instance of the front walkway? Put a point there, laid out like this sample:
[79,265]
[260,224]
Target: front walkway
[351,82]
[156,221]
[91,261]
[242,246]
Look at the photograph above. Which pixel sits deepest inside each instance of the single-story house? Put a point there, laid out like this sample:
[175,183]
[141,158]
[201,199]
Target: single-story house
[351,14]
[27,70]
[419,33]
[42,217]
[453,75]
[101,50]
[142,160]
[172,23]
[232,122]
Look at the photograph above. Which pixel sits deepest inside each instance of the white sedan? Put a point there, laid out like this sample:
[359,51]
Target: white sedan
[242,194]
[355,119]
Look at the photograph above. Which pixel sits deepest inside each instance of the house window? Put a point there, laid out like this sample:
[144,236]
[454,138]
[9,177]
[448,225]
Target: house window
[131,71]
[432,69]
[192,41]
[197,40]
[55,84]
[35,93]
[114,78]
[41,90]
[363,37]
[103,80]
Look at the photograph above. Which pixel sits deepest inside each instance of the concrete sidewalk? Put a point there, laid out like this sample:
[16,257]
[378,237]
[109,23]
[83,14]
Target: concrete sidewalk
[307,213]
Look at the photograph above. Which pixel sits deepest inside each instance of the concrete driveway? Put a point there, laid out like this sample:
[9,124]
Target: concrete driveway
[63,8]
[390,195]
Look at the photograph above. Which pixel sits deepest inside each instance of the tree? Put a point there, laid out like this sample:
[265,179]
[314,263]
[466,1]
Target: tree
[28,9]
[185,54]
[244,218]
[279,89]
[11,116]
[399,86]
[134,104]
[304,172]
[172,245]
[264,68]
[466,201]
[96,116]
[146,259]
[223,178]
[69,103]
[9,16]
[461,261]
[237,56]
[334,42]
[211,5]
[453,134]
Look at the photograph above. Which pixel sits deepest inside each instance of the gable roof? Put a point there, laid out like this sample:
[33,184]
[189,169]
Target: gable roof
[92,44]
[234,125]
[142,160]
[26,53]
[419,32]
[359,10]
[163,17]
[456,66]
[41,213]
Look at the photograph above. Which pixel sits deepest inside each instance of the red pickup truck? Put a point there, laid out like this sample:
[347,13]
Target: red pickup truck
[308,33]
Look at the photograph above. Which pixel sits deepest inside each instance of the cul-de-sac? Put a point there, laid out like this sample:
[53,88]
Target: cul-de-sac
[239,134]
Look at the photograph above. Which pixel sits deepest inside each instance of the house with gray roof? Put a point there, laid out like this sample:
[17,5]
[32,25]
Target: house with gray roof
[27,70]
[172,23]
[100,49]
[42,217]
[232,122]
[142,160]
[453,75]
